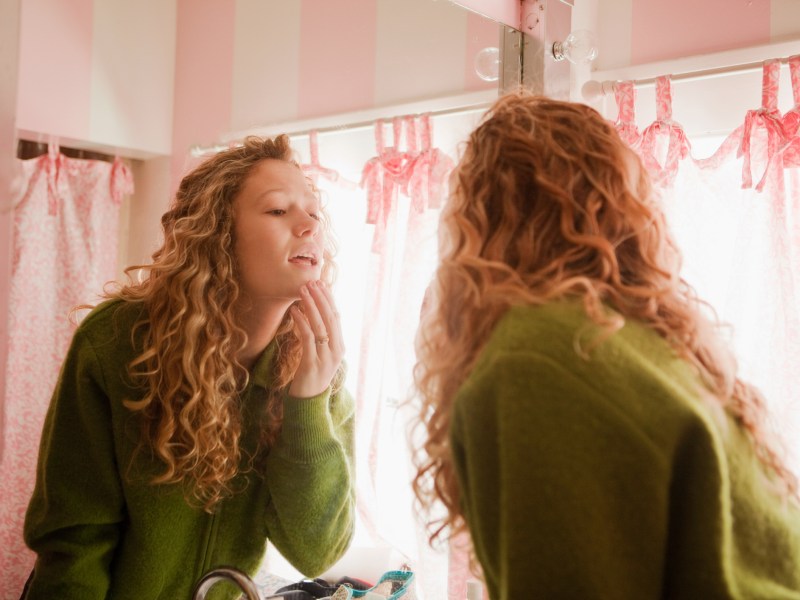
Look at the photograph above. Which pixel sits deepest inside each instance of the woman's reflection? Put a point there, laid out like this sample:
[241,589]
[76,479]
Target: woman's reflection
[200,410]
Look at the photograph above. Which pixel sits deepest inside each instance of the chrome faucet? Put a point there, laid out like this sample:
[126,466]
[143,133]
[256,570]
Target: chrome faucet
[235,575]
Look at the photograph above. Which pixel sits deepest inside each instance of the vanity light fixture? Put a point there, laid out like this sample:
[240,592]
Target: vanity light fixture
[487,64]
[579,47]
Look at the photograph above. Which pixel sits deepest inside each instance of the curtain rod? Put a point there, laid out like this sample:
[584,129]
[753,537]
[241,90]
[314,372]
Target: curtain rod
[27,149]
[593,89]
[468,103]
[694,67]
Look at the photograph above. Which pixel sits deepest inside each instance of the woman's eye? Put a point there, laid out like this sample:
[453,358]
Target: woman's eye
[314,216]
[276,211]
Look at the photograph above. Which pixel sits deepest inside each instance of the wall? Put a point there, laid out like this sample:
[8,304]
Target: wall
[98,74]
[138,77]
[9,39]
[635,32]
[252,63]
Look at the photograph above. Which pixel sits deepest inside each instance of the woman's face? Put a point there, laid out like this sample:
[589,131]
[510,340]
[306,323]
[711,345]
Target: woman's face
[277,232]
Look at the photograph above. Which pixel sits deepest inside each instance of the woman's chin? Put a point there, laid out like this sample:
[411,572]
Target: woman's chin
[312,275]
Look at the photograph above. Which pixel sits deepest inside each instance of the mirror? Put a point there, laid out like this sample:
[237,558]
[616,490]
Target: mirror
[147,81]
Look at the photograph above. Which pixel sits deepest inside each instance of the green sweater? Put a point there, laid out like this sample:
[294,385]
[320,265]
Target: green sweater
[611,478]
[102,530]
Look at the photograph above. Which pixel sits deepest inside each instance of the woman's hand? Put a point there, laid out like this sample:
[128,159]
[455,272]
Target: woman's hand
[320,333]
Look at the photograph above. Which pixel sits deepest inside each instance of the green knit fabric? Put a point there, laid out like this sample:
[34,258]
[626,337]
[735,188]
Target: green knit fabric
[102,530]
[612,477]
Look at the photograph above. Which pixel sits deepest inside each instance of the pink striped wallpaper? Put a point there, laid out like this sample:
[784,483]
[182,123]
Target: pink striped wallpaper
[55,55]
[337,56]
[665,29]
[203,75]
[318,58]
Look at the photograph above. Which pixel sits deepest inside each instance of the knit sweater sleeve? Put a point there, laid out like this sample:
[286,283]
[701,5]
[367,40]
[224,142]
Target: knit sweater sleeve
[312,482]
[564,496]
[74,518]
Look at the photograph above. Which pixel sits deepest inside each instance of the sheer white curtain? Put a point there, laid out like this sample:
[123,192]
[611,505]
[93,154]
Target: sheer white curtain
[400,256]
[736,218]
[740,254]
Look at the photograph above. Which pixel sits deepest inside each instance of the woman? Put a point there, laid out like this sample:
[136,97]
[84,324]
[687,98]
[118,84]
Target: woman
[582,419]
[199,412]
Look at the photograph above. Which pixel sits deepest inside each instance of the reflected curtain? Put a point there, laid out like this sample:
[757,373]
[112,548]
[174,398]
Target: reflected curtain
[387,252]
[404,183]
[65,250]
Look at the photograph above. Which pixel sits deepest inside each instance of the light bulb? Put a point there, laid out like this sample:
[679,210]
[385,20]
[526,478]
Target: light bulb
[487,64]
[579,47]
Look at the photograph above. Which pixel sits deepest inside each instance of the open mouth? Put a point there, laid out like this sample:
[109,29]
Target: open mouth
[304,259]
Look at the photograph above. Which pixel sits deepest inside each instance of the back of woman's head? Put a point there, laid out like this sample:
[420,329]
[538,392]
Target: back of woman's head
[547,198]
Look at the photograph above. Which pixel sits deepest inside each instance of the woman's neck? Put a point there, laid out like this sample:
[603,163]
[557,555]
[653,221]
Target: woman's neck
[260,321]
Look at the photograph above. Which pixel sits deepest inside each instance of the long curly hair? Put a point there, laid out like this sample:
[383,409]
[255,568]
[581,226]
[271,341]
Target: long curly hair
[547,203]
[188,370]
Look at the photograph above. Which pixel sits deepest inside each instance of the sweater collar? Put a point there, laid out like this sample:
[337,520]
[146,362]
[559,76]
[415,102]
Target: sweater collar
[262,374]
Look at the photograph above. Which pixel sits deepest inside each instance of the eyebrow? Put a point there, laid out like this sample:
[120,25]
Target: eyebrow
[270,191]
[310,195]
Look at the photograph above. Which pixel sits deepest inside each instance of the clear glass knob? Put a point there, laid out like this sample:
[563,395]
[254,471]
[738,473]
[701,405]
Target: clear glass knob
[579,47]
[487,64]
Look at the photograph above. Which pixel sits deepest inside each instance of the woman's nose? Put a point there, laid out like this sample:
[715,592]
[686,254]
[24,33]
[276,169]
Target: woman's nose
[306,226]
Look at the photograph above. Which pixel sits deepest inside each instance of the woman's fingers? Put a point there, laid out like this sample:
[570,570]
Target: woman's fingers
[321,337]
[303,328]
[326,307]
[332,320]
[314,313]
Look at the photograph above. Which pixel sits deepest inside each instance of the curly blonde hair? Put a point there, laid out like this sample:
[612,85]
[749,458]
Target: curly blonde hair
[548,203]
[188,368]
